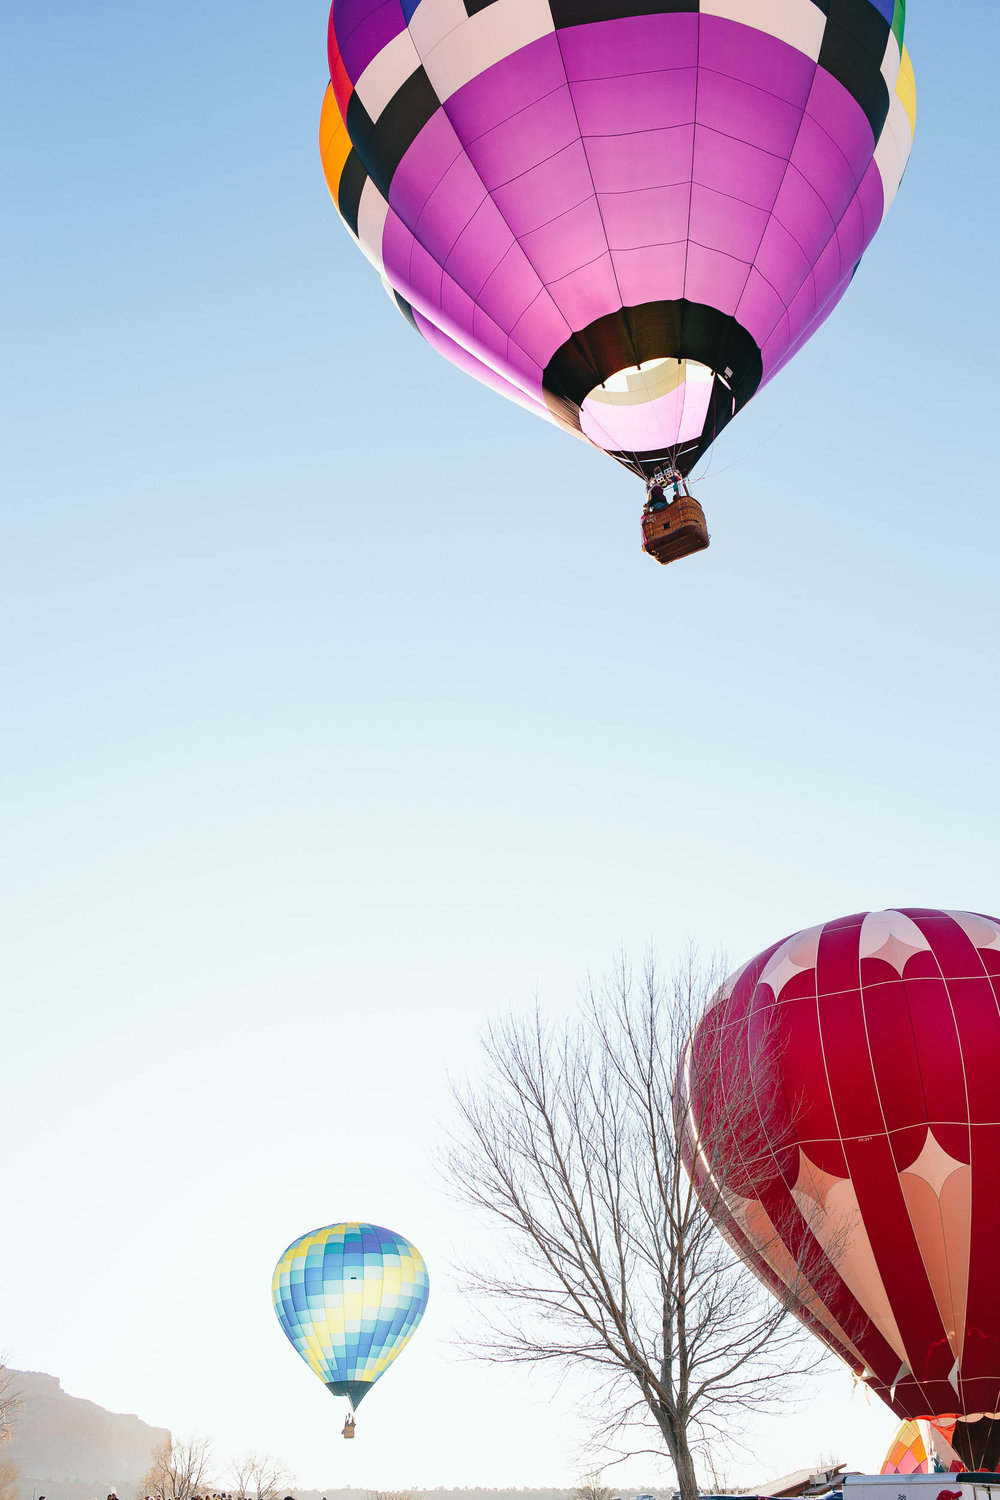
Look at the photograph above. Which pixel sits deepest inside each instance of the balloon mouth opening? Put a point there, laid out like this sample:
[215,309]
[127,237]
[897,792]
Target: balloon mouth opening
[354,1390]
[656,405]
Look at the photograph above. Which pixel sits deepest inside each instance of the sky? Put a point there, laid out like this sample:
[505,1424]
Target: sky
[341,710]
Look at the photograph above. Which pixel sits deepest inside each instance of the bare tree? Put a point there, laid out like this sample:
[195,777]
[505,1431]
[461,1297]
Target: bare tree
[574,1141]
[715,1476]
[591,1488]
[10,1402]
[180,1469]
[260,1477]
[10,1479]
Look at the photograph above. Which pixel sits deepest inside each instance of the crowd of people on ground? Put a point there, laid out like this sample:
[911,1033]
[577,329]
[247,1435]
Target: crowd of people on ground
[208,1495]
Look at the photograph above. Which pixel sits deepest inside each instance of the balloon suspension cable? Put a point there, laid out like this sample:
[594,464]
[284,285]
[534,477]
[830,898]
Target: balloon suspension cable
[631,464]
[711,447]
[793,410]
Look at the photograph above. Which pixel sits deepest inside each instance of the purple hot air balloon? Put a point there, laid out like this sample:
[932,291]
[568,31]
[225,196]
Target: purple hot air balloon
[626,215]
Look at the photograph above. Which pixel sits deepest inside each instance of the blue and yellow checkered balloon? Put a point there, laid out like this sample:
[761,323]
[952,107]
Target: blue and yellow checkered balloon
[349,1298]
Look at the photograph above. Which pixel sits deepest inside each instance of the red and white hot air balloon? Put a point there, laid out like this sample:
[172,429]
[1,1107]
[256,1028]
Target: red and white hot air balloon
[871,1193]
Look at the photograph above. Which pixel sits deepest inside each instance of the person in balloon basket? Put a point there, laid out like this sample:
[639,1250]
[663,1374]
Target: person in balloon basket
[656,498]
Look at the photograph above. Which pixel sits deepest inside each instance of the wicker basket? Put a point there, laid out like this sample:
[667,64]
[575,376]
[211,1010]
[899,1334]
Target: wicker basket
[675,531]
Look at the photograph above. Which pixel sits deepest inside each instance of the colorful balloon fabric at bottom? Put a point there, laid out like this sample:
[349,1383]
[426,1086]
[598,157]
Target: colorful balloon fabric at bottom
[917,1445]
[349,1298]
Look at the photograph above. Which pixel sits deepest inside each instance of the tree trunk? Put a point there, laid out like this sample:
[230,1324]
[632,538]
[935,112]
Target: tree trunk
[680,1454]
[687,1479]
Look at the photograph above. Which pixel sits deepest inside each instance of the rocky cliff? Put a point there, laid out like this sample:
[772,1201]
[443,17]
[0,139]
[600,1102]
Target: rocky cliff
[68,1448]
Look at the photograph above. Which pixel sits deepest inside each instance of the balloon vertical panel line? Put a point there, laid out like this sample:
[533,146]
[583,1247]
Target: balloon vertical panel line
[626,216]
[349,1298]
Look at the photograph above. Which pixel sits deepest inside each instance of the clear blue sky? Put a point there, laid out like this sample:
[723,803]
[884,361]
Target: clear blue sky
[340,709]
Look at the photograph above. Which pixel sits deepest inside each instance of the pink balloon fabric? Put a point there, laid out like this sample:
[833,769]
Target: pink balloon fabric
[556,191]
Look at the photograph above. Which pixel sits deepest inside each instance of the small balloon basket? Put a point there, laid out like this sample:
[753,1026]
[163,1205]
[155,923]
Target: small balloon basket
[349,1426]
[675,531]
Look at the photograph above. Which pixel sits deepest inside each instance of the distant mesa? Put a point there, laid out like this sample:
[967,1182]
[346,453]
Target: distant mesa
[74,1448]
[71,1449]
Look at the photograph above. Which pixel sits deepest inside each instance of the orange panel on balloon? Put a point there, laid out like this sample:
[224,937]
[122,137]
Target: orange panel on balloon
[334,142]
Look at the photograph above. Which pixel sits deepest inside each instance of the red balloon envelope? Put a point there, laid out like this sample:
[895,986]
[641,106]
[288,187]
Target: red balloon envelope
[873,1187]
